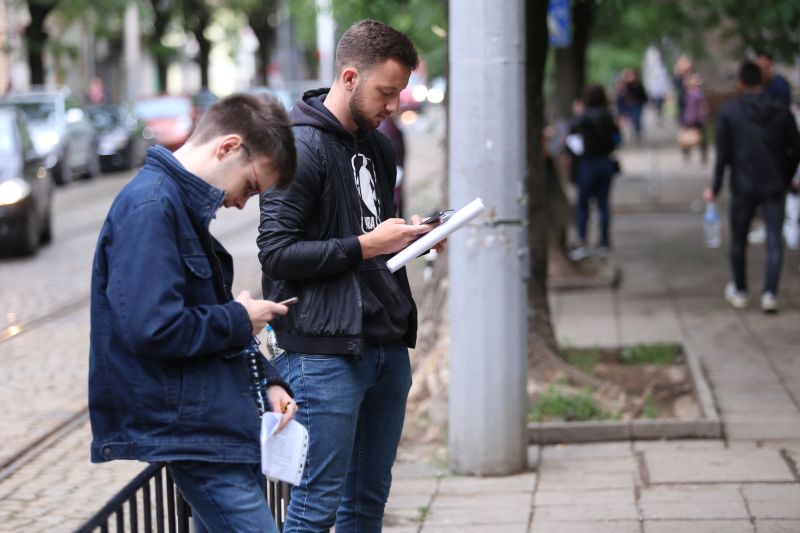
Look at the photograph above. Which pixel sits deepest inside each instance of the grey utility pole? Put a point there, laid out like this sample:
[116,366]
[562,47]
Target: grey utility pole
[488,348]
[132,53]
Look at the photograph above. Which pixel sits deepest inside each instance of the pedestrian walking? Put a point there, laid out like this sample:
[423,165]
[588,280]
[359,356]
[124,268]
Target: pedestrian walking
[775,85]
[757,138]
[326,240]
[594,167]
[695,114]
[168,379]
[631,99]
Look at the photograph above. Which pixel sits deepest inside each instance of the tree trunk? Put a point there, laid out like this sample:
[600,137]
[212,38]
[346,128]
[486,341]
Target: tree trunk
[36,40]
[198,22]
[570,67]
[264,30]
[162,13]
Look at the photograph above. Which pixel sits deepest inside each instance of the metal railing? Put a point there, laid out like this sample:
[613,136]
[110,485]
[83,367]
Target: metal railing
[150,502]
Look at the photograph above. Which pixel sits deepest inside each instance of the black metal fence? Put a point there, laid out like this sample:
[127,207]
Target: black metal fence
[151,502]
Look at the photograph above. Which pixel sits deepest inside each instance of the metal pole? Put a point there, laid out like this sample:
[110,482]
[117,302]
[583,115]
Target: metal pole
[132,52]
[326,44]
[488,348]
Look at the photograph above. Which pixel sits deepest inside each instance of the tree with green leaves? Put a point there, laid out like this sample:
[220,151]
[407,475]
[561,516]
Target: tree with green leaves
[197,16]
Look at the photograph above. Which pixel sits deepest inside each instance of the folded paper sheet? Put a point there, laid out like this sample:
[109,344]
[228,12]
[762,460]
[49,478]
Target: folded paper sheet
[439,233]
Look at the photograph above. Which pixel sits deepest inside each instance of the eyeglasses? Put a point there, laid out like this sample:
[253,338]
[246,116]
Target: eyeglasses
[252,190]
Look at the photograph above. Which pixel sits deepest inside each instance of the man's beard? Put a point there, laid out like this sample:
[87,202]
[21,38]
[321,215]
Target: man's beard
[361,119]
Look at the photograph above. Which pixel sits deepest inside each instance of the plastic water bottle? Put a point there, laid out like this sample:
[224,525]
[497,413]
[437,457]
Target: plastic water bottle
[711,226]
[272,344]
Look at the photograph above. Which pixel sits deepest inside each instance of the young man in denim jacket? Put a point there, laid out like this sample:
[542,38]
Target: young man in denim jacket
[167,377]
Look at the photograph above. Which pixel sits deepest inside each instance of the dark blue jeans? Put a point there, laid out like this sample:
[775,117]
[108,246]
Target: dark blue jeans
[224,496]
[742,210]
[593,178]
[353,408]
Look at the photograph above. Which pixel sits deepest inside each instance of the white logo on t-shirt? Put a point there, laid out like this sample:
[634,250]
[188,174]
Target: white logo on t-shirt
[367,187]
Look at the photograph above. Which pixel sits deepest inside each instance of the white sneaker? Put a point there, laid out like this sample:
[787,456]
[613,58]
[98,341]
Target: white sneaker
[737,299]
[578,254]
[769,304]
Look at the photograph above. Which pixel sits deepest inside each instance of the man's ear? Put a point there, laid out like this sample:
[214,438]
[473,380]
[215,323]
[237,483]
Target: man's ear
[226,145]
[349,77]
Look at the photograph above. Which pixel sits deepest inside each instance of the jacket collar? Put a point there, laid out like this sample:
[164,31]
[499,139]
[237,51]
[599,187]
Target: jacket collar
[200,198]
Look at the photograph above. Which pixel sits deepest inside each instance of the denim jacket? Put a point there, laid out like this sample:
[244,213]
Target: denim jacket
[167,379]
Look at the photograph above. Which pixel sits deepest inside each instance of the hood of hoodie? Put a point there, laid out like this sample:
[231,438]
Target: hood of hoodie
[759,108]
[308,112]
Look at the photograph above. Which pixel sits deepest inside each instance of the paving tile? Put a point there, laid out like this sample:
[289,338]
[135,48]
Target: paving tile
[728,465]
[586,451]
[544,498]
[492,512]
[698,526]
[484,485]
[588,512]
[698,493]
[777,526]
[520,527]
[576,480]
[692,510]
[544,526]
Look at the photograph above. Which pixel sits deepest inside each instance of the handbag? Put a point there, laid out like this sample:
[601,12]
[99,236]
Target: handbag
[688,137]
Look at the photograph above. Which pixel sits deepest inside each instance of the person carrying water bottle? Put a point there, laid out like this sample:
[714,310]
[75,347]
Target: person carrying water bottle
[758,140]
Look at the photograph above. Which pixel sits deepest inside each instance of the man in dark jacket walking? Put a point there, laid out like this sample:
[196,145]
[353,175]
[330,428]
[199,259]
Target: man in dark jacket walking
[167,377]
[757,138]
[326,240]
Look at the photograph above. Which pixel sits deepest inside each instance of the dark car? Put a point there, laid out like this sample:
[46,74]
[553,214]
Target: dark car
[122,137]
[170,118]
[60,131]
[26,188]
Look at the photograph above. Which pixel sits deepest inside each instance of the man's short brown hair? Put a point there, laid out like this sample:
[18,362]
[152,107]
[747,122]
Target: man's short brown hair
[369,43]
[262,123]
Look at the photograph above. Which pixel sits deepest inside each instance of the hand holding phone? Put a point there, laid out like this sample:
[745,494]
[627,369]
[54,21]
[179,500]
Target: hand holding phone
[439,217]
[290,301]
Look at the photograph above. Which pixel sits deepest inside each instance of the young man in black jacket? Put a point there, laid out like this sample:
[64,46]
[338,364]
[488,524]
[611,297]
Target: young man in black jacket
[757,138]
[326,240]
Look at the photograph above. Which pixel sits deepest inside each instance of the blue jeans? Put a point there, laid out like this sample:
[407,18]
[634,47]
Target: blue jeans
[224,496]
[593,177]
[353,408]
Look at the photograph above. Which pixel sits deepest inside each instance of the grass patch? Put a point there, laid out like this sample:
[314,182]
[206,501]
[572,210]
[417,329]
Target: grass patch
[657,353]
[585,359]
[422,513]
[554,404]
[650,409]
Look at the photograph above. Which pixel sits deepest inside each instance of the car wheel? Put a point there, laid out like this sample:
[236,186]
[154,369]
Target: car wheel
[46,234]
[94,165]
[63,173]
[128,156]
[31,239]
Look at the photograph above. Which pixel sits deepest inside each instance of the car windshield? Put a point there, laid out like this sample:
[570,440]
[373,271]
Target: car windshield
[37,111]
[106,117]
[163,108]
[7,139]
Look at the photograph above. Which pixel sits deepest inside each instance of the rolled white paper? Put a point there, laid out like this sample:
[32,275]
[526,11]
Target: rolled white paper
[436,235]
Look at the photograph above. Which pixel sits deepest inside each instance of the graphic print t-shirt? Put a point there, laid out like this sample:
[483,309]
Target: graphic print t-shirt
[386,307]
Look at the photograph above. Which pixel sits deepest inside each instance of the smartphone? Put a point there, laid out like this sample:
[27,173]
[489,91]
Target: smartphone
[439,217]
[290,301]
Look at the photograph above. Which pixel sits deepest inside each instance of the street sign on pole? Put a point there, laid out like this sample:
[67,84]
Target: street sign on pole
[559,23]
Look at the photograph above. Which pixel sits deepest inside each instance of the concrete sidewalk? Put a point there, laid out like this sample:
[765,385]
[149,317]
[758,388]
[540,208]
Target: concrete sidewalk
[671,290]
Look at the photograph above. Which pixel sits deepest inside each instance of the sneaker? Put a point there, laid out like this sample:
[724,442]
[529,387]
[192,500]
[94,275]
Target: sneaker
[769,304]
[736,298]
[578,254]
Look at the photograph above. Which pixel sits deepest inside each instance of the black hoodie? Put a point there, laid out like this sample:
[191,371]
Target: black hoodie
[308,239]
[758,138]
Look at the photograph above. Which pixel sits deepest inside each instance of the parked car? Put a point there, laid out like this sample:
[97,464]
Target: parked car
[169,117]
[122,137]
[26,188]
[60,131]
[201,102]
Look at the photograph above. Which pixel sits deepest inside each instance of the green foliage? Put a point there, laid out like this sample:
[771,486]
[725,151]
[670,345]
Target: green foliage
[554,404]
[415,18]
[658,353]
[585,359]
[650,409]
